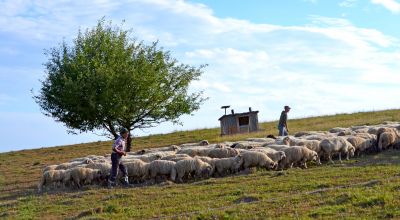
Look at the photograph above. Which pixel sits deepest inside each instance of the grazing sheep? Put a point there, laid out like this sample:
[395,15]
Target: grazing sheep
[52,177]
[192,166]
[257,159]
[198,151]
[387,139]
[162,168]
[137,170]
[338,145]
[275,155]
[231,164]
[282,141]
[201,143]
[222,153]
[81,175]
[69,165]
[310,144]
[169,157]
[105,168]
[145,158]
[277,147]
[360,144]
[338,129]
[208,160]
[50,167]
[262,140]
[297,155]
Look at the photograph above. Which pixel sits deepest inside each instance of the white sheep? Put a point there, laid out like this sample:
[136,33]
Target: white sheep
[387,139]
[297,155]
[52,177]
[230,164]
[137,170]
[310,144]
[360,144]
[162,168]
[105,168]
[195,151]
[192,166]
[222,153]
[257,159]
[81,175]
[338,145]
[275,155]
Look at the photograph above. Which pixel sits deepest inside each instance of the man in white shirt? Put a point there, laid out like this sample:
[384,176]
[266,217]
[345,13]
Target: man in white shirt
[119,148]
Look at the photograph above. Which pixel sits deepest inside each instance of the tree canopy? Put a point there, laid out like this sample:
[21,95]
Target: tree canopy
[107,80]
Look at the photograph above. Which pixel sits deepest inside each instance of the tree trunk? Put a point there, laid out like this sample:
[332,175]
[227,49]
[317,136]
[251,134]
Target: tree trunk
[129,143]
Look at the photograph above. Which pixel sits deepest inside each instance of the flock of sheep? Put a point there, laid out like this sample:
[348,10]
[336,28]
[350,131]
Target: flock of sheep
[204,160]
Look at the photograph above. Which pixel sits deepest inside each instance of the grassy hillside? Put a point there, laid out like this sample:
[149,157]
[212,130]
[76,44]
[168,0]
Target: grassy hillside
[367,187]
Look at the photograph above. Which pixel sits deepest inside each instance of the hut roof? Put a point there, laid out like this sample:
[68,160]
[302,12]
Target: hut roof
[238,114]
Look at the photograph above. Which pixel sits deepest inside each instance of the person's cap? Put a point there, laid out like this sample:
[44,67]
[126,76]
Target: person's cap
[123,131]
[287,107]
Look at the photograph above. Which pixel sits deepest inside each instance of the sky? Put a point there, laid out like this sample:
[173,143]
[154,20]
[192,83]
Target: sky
[319,57]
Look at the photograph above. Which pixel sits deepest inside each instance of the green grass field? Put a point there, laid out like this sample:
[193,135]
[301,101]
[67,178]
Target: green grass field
[362,188]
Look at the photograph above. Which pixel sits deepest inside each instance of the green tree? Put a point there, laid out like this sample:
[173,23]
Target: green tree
[107,80]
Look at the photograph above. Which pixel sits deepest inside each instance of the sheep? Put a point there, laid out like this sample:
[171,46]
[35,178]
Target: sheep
[69,165]
[162,167]
[275,155]
[52,177]
[360,144]
[231,164]
[137,170]
[337,130]
[208,160]
[282,141]
[222,153]
[190,166]
[169,157]
[49,167]
[339,145]
[245,145]
[79,175]
[277,147]
[199,151]
[262,140]
[201,143]
[105,168]
[310,144]
[145,158]
[387,139]
[257,159]
[297,155]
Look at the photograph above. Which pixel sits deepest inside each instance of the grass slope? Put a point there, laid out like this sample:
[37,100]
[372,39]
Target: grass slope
[367,187]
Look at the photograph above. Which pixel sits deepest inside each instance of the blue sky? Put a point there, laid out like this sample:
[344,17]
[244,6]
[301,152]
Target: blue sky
[320,57]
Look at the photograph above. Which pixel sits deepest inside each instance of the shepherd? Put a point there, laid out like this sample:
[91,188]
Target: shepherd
[119,150]
[282,126]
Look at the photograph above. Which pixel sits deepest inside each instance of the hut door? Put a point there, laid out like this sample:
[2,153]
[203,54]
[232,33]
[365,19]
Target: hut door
[244,124]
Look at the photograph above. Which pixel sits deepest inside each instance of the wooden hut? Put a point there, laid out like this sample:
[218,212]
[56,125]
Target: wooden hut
[239,123]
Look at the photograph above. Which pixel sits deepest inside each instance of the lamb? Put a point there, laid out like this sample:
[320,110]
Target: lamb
[222,153]
[52,177]
[257,159]
[81,175]
[339,145]
[360,144]
[297,155]
[231,164]
[137,170]
[275,155]
[192,166]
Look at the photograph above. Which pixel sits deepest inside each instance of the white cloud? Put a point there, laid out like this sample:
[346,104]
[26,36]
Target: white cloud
[348,3]
[391,5]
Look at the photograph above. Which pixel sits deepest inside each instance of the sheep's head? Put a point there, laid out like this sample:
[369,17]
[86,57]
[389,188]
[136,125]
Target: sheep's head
[204,143]
[314,156]
[282,155]
[286,140]
[351,150]
[175,147]
[272,165]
